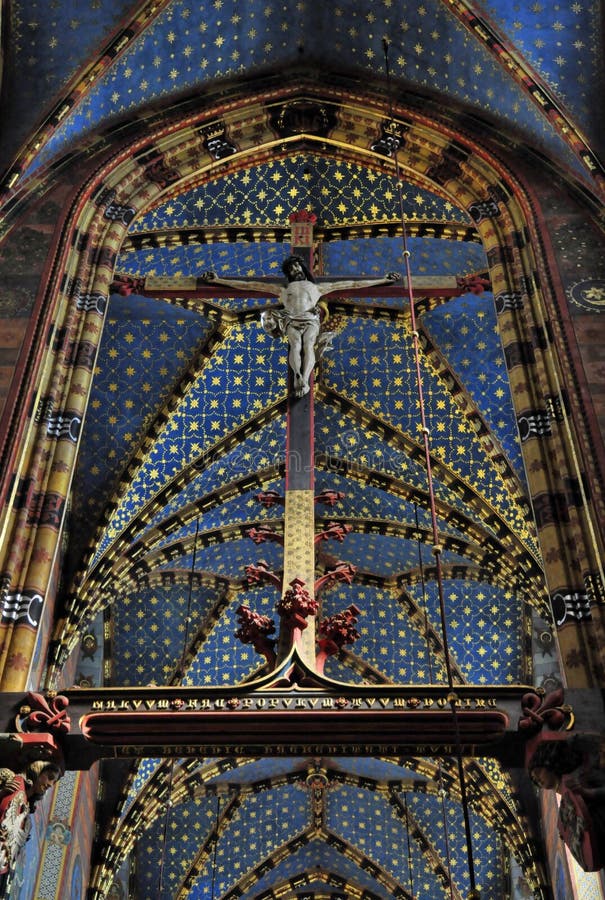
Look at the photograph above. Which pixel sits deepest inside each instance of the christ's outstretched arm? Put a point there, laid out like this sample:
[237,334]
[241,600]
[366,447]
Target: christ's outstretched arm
[270,289]
[329,286]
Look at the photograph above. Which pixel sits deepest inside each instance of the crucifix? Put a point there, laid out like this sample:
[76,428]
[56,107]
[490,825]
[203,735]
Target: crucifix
[297,317]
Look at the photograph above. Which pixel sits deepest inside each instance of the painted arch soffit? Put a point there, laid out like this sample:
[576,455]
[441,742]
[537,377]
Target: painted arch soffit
[479,56]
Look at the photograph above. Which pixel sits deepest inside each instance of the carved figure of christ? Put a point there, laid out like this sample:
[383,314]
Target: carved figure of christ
[297,316]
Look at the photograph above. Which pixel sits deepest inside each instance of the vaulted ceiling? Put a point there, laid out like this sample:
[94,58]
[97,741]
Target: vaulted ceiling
[186,421]
[71,77]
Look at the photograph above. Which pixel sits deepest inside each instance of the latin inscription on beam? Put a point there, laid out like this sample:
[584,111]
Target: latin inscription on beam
[177,751]
[178,704]
[288,713]
[272,722]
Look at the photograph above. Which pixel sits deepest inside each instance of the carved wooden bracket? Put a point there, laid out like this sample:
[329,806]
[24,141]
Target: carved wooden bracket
[540,710]
[329,497]
[31,762]
[261,572]
[42,714]
[262,534]
[297,605]
[270,498]
[255,629]
[336,631]
[336,531]
[340,571]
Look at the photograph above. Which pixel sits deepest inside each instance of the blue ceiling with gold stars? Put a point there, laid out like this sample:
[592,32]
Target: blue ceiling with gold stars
[186,421]
[76,74]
